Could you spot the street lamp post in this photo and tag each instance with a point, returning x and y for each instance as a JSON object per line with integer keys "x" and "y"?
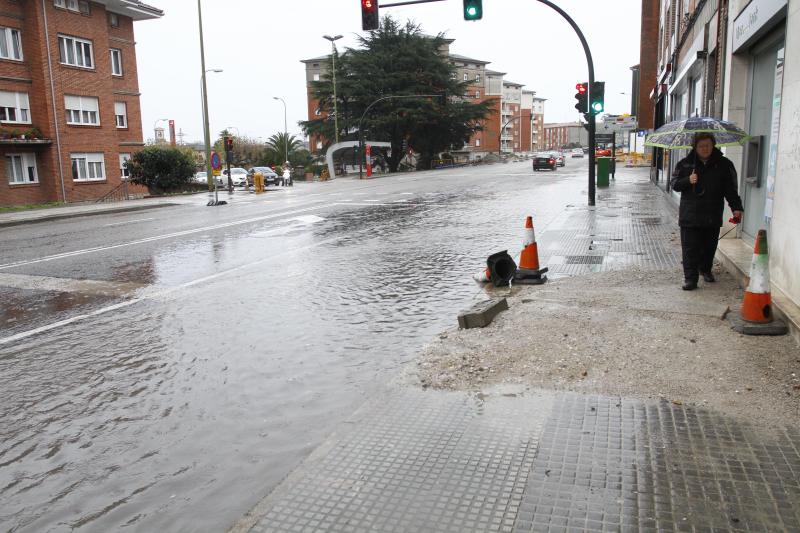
{"x": 285, "y": 129}
{"x": 335, "y": 106}
{"x": 206, "y": 130}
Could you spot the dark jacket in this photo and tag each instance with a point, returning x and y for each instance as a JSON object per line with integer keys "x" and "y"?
{"x": 702, "y": 205}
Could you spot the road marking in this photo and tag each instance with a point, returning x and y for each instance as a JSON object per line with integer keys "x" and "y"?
{"x": 128, "y": 222}
{"x": 309, "y": 219}
{"x": 156, "y": 238}
{"x": 157, "y": 294}
{"x": 366, "y": 203}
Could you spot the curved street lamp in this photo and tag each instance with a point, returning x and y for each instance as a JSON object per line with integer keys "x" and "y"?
{"x": 335, "y": 107}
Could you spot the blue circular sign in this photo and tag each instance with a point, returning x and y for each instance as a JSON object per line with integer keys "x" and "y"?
{"x": 216, "y": 162}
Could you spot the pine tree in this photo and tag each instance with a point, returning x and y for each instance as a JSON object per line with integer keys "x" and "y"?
{"x": 399, "y": 61}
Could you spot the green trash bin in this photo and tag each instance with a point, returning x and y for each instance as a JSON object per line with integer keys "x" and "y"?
{"x": 603, "y": 168}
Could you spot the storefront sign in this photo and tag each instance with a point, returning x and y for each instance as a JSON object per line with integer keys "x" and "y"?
{"x": 772, "y": 163}
{"x": 758, "y": 17}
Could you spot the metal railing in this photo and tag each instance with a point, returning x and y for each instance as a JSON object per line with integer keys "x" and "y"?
{"x": 117, "y": 194}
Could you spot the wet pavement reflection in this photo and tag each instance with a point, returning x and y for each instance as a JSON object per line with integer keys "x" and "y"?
{"x": 179, "y": 412}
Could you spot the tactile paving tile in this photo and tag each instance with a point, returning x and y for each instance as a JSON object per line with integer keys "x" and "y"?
{"x": 607, "y": 464}
{"x": 631, "y": 225}
{"x": 420, "y": 462}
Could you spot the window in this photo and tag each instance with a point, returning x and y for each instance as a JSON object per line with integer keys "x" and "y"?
{"x": 124, "y": 172}
{"x": 116, "y": 62}
{"x": 10, "y": 44}
{"x": 477, "y": 94}
{"x": 477, "y": 78}
{"x": 75, "y": 52}
{"x": 88, "y": 167}
{"x": 67, "y": 4}
{"x": 317, "y": 112}
{"x": 21, "y": 168}
{"x": 113, "y": 20}
{"x": 81, "y": 6}
{"x": 316, "y": 77}
{"x": 477, "y": 142}
{"x": 121, "y": 114}
{"x": 82, "y": 110}
{"x": 14, "y": 107}
{"x": 466, "y": 76}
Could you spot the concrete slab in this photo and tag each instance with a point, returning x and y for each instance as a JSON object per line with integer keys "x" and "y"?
{"x": 481, "y": 314}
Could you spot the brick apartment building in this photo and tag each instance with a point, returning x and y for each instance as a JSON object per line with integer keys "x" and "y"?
{"x": 69, "y": 97}
{"x": 563, "y": 134}
{"x": 509, "y": 101}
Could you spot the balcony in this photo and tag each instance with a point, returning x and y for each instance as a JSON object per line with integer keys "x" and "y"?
{"x": 29, "y": 137}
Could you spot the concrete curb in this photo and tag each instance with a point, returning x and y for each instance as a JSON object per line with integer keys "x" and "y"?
{"x": 61, "y": 216}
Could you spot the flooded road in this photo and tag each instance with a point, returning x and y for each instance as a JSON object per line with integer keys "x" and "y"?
{"x": 165, "y": 374}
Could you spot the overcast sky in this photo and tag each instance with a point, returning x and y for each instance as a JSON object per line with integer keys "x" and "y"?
{"x": 259, "y": 45}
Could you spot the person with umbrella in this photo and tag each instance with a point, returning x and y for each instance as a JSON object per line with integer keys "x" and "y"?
{"x": 704, "y": 178}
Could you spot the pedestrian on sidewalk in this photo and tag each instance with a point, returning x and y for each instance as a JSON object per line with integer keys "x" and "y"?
{"x": 287, "y": 174}
{"x": 705, "y": 178}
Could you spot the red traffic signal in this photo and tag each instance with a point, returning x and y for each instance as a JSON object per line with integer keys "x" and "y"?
{"x": 370, "y": 19}
{"x": 229, "y": 144}
{"x": 582, "y": 97}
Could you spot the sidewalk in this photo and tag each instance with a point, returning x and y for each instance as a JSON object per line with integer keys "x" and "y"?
{"x": 82, "y": 210}
{"x": 605, "y": 400}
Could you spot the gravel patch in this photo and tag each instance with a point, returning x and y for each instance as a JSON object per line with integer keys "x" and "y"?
{"x": 631, "y": 333}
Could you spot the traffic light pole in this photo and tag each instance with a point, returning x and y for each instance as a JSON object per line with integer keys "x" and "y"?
{"x": 591, "y": 115}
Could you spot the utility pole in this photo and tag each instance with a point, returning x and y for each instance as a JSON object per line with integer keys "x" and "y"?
{"x": 207, "y": 133}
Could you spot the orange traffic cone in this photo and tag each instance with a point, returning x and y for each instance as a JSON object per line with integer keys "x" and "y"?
{"x": 529, "y": 271}
{"x": 757, "y": 303}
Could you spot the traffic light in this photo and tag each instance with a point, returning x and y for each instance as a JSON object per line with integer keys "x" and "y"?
{"x": 597, "y": 97}
{"x": 473, "y": 9}
{"x": 229, "y": 144}
{"x": 370, "y": 20}
{"x": 581, "y": 96}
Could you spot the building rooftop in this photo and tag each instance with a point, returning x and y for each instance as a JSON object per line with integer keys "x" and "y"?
{"x": 466, "y": 59}
{"x": 513, "y": 84}
{"x": 316, "y": 59}
{"x": 132, "y": 8}
{"x": 494, "y": 73}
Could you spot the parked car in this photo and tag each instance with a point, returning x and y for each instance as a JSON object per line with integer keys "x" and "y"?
{"x": 270, "y": 177}
{"x": 544, "y": 161}
{"x": 577, "y": 152}
{"x": 602, "y": 152}
{"x": 200, "y": 177}
{"x": 559, "y": 159}
{"x": 238, "y": 177}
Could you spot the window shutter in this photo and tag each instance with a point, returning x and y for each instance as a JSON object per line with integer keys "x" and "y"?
{"x": 8, "y": 99}
{"x": 119, "y": 108}
{"x": 72, "y": 102}
{"x": 90, "y": 103}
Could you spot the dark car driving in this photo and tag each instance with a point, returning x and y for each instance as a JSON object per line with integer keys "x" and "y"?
{"x": 544, "y": 161}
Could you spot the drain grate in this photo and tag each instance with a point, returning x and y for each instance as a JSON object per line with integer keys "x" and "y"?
{"x": 583, "y": 260}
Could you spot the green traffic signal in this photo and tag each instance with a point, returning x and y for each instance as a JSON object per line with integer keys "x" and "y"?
{"x": 473, "y": 9}
{"x": 597, "y": 97}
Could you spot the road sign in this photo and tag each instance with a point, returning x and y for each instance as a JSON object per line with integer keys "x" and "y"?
{"x": 604, "y": 137}
{"x": 216, "y": 162}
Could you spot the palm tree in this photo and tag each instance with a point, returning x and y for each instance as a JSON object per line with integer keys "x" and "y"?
{"x": 283, "y": 145}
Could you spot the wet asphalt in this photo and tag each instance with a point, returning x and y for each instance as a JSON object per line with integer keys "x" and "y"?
{"x": 225, "y": 343}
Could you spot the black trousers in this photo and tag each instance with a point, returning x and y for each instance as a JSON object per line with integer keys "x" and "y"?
{"x": 699, "y": 246}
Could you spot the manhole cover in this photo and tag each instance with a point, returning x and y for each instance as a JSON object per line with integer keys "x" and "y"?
{"x": 584, "y": 259}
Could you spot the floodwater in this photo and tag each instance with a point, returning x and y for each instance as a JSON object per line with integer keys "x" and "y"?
{"x": 179, "y": 412}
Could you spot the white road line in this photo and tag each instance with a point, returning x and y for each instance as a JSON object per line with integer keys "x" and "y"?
{"x": 128, "y": 222}
{"x": 358, "y": 203}
{"x": 156, "y": 294}
{"x": 157, "y": 238}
